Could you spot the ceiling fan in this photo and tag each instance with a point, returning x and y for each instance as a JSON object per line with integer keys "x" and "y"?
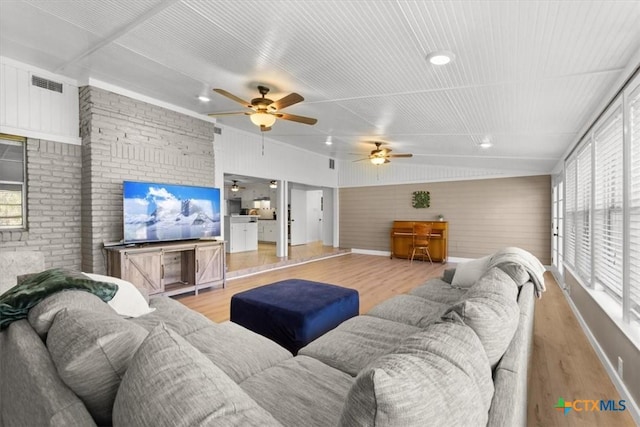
{"x": 235, "y": 187}
{"x": 266, "y": 111}
{"x": 381, "y": 156}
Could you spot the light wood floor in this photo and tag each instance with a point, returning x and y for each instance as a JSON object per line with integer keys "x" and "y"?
{"x": 563, "y": 363}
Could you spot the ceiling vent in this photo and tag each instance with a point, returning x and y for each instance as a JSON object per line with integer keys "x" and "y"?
{"x": 46, "y": 84}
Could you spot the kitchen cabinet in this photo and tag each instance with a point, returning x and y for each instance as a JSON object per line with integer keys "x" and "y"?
{"x": 267, "y": 231}
{"x": 242, "y": 233}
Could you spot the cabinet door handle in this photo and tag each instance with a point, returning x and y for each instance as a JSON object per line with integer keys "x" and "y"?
{"x": 162, "y": 271}
{"x": 197, "y": 265}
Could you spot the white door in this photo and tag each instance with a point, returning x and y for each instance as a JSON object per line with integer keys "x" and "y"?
{"x": 298, "y": 217}
{"x": 314, "y": 215}
{"x": 557, "y": 216}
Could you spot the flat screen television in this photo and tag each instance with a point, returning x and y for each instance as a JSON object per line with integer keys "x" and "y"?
{"x": 163, "y": 212}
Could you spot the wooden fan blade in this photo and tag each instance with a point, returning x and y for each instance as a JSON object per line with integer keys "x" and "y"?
{"x": 400, "y": 155}
{"x": 227, "y": 113}
{"x": 299, "y": 119}
{"x": 292, "y": 98}
{"x": 233, "y": 97}
{"x": 359, "y": 160}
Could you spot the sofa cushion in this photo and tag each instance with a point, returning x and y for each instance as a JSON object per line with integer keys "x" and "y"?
{"x": 128, "y": 300}
{"x": 31, "y": 391}
{"x": 174, "y": 314}
{"x": 239, "y": 352}
{"x": 516, "y": 271}
{"x": 41, "y": 316}
{"x": 91, "y": 351}
{"x": 301, "y": 391}
{"x": 490, "y": 308}
{"x": 467, "y": 273}
{"x": 170, "y": 383}
{"x": 17, "y": 301}
{"x": 439, "y": 291}
{"x": 439, "y": 376}
{"x": 357, "y": 342}
{"x": 410, "y": 310}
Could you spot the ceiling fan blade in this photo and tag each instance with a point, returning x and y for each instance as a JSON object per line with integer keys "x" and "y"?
{"x": 227, "y": 113}
{"x": 359, "y": 160}
{"x": 292, "y": 98}
{"x": 233, "y": 97}
{"x": 400, "y": 155}
{"x": 299, "y": 119}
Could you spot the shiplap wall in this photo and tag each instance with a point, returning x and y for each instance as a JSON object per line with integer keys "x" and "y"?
{"x": 31, "y": 111}
{"x": 484, "y": 215}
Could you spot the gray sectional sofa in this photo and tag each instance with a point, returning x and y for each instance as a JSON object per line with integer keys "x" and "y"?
{"x": 436, "y": 356}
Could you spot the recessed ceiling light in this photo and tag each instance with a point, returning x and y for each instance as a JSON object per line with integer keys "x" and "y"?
{"x": 440, "y": 57}
{"x": 203, "y": 98}
{"x": 329, "y": 141}
{"x": 485, "y": 143}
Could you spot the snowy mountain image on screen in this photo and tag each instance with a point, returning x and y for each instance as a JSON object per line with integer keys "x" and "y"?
{"x": 165, "y": 215}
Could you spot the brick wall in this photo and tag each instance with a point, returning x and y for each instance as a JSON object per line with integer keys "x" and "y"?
{"x": 54, "y": 203}
{"x": 125, "y": 139}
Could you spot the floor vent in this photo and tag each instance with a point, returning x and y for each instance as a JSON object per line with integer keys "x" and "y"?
{"x": 46, "y": 84}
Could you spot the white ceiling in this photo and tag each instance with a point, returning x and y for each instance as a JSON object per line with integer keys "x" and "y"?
{"x": 527, "y": 74}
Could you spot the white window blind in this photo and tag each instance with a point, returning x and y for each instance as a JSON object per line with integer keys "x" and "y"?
{"x": 570, "y": 212}
{"x": 634, "y": 201}
{"x": 583, "y": 213}
{"x": 608, "y": 199}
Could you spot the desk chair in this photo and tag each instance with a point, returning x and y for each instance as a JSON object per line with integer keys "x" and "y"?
{"x": 421, "y": 236}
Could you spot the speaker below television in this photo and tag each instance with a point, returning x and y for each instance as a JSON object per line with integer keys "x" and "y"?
{"x": 156, "y": 212}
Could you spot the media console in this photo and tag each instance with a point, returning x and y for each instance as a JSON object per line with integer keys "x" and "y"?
{"x": 169, "y": 268}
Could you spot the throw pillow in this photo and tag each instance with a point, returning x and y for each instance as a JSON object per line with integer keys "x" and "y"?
{"x": 128, "y": 300}
{"x": 468, "y": 273}
{"x": 447, "y": 275}
{"x": 91, "y": 352}
{"x": 491, "y": 309}
{"x": 439, "y": 377}
{"x": 41, "y": 316}
{"x": 516, "y": 271}
{"x": 17, "y": 301}
{"x": 170, "y": 383}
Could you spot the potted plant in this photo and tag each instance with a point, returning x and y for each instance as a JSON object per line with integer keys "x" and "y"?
{"x": 440, "y": 217}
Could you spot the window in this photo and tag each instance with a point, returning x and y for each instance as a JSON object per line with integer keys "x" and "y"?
{"x": 12, "y": 183}
{"x": 602, "y": 205}
{"x": 634, "y": 202}
{"x": 608, "y": 195}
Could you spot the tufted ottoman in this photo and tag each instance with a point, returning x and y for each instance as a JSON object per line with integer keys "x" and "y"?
{"x": 294, "y": 312}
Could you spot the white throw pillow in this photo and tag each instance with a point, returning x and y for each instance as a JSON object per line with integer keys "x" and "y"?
{"x": 128, "y": 301}
{"x": 468, "y": 273}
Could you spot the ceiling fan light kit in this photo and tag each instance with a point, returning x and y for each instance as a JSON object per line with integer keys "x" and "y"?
{"x": 263, "y": 119}
{"x": 378, "y": 160}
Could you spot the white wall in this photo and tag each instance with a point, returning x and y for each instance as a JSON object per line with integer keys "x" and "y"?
{"x": 241, "y": 154}
{"x": 34, "y": 112}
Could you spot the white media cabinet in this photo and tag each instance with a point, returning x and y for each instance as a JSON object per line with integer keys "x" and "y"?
{"x": 169, "y": 268}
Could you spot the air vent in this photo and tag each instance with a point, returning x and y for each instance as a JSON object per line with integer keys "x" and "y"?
{"x": 332, "y": 164}
{"x": 217, "y": 130}
{"x": 46, "y": 84}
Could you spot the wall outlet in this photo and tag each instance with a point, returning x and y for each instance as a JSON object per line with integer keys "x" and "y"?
{"x": 620, "y": 367}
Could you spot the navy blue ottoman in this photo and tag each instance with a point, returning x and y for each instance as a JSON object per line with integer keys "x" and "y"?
{"x": 294, "y": 312}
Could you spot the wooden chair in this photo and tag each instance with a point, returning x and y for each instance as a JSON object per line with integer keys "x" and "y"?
{"x": 421, "y": 237}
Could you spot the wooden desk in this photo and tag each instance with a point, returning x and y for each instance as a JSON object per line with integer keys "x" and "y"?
{"x": 401, "y": 237}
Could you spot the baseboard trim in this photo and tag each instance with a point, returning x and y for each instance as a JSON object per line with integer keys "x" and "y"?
{"x": 370, "y": 252}
{"x": 280, "y": 267}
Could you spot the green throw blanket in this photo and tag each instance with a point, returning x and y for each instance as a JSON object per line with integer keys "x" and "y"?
{"x": 17, "y": 301}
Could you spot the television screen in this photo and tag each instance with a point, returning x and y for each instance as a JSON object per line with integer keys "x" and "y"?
{"x": 161, "y": 212}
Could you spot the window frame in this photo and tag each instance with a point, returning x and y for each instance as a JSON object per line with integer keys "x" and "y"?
{"x": 21, "y": 142}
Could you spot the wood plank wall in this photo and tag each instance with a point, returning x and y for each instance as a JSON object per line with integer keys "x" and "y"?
{"x": 484, "y": 215}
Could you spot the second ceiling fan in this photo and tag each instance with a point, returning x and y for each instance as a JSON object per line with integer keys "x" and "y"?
{"x": 266, "y": 111}
{"x": 381, "y": 156}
